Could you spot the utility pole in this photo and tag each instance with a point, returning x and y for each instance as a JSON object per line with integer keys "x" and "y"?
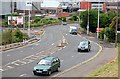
{"x": 29, "y": 4}
{"x": 116, "y": 26}
{"x": 24, "y": 19}
{"x": 29, "y": 24}
{"x": 11, "y": 14}
{"x": 88, "y": 20}
{"x": 98, "y": 18}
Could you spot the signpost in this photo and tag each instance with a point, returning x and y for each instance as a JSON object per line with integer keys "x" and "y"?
{"x": 118, "y": 31}
{"x": 29, "y": 4}
{"x": 15, "y": 20}
{"x": 99, "y": 30}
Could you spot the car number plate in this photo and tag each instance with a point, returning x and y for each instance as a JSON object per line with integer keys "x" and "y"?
{"x": 39, "y": 71}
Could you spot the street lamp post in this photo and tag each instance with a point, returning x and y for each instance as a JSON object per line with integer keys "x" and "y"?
{"x": 116, "y": 26}
{"x": 29, "y": 24}
{"x": 29, "y": 4}
{"x": 98, "y": 18}
{"x": 78, "y": 19}
{"x": 88, "y": 20}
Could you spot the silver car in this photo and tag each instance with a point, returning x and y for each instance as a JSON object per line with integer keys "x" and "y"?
{"x": 84, "y": 45}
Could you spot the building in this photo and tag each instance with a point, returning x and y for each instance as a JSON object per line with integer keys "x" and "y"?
{"x": 5, "y": 8}
{"x": 113, "y": 6}
{"x": 85, "y": 5}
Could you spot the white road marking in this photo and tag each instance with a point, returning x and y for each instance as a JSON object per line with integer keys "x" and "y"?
{"x": 72, "y": 56}
{"x": 64, "y": 47}
{"x": 51, "y": 53}
{"x": 37, "y": 44}
{"x": 1, "y": 70}
{"x": 42, "y": 51}
{"x": 21, "y": 51}
{"x": 10, "y": 66}
{"x": 52, "y": 43}
{"x": 66, "y": 34}
{"x": 60, "y": 49}
{"x": 32, "y": 48}
{"x": 22, "y": 75}
{"x": 8, "y": 55}
{"x": 15, "y": 63}
{"x": 61, "y": 60}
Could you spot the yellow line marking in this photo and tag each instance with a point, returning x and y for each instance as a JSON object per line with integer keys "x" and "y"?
{"x": 24, "y": 46}
{"x": 57, "y": 75}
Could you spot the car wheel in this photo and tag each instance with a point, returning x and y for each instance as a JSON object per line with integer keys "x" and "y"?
{"x": 88, "y": 50}
{"x": 49, "y": 72}
{"x": 79, "y": 50}
{"x": 35, "y": 73}
{"x": 57, "y": 69}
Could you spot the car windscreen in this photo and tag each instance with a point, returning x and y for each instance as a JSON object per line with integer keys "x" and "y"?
{"x": 74, "y": 30}
{"x": 83, "y": 43}
{"x": 44, "y": 62}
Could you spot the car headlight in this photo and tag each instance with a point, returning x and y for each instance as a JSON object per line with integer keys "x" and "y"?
{"x": 34, "y": 68}
{"x": 86, "y": 47}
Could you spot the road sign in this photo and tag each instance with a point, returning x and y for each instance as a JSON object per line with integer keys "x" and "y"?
{"x": 28, "y": 3}
{"x": 118, "y": 31}
{"x": 99, "y": 29}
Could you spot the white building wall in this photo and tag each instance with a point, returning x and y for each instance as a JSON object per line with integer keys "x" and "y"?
{"x": 22, "y": 6}
{"x": 5, "y": 8}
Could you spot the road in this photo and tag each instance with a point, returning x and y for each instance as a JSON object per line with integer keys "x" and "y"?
{"x": 20, "y": 62}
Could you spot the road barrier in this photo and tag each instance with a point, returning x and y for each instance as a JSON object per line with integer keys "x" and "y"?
{"x": 16, "y": 45}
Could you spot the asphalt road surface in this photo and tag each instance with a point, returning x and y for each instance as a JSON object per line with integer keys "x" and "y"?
{"x": 20, "y": 62}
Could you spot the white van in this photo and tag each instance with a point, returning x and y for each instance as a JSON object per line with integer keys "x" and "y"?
{"x": 72, "y": 27}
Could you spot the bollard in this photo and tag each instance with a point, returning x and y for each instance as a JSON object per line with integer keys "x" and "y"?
{"x": 60, "y": 44}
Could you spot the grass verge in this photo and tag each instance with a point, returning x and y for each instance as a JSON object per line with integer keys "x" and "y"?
{"x": 108, "y": 70}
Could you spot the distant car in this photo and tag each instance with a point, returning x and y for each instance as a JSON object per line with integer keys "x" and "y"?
{"x": 47, "y": 65}
{"x": 74, "y": 31}
{"x": 84, "y": 45}
{"x": 72, "y": 27}
{"x": 64, "y": 23}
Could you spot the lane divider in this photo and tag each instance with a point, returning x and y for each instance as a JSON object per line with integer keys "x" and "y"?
{"x": 84, "y": 62}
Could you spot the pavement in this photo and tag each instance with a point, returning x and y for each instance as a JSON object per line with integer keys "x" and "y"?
{"x": 108, "y": 54}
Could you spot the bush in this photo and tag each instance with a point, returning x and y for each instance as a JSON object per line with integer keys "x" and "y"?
{"x": 13, "y": 36}
{"x": 37, "y": 19}
{"x": 4, "y": 23}
{"x": 110, "y": 34}
{"x": 62, "y": 19}
{"x": 101, "y": 34}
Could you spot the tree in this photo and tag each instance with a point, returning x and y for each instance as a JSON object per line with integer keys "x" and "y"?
{"x": 92, "y": 20}
{"x": 105, "y": 20}
{"x": 18, "y": 35}
{"x": 113, "y": 23}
